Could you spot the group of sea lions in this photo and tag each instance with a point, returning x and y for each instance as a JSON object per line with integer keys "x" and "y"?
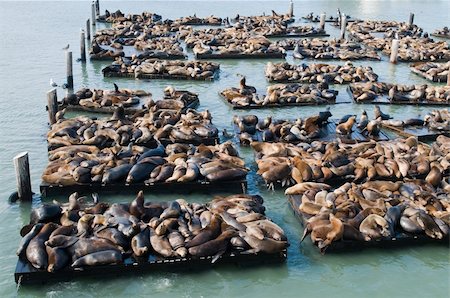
{"x": 167, "y": 69}
{"x": 319, "y": 73}
{"x": 370, "y": 91}
{"x": 80, "y": 235}
{"x": 120, "y": 17}
{"x": 156, "y": 123}
{"x": 194, "y": 20}
{"x": 328, "y": 49}
{"x": 227, "y": 41}
{"x": 413, "y": 45}
{"x": 374, "y": 210}
{"x": 158, "y": 47}
{"x": 174, "y": 163}
{"x": 444, "y": 32}
{"x": 436, "y": 71}
{"x": 280, "y": 94}
{"x": 250, "y": 128}
{"x": 97, "y": 98}
{"x": 321, "y": 161}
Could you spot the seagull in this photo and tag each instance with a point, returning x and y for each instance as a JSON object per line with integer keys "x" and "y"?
{"x": 66, "y": 47}
{"x": 53, "y": 84}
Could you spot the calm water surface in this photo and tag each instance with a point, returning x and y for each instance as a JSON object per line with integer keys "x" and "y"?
{"x": 32, "y": 35}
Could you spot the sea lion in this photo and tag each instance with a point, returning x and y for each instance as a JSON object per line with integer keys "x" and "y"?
{"x": 346, "y": 127}
{"x": 140, "y": 243}
{"x": 57, "y": 258}
{"x": 211, "y": 231}
{"x": 104, "y": 257}
{"x": 176, "y": 240}
{"x": 45, "y": 213}
{"x": 28, "y": 237}
{"x": 215, "y": 247}
{"x": 161, "y": 244}
{"x": 35, "y": 251}
{"x": 266, "y": 245}
{"x": 379, "y": 114}
{"x": 324, "y": 235}
{"x": 374, "y": 227}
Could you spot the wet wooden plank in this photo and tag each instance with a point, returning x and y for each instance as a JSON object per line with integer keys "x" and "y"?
{"x": 26, "y": 274}
{"x": 241, "y": 56}
{"x": 423, "y": 133}
{"x": 235, "y": 186}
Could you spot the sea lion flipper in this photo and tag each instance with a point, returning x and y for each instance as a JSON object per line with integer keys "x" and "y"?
{"x": 217, "y": 256}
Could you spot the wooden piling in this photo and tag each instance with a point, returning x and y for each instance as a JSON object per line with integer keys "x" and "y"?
{"x": 291, "y": 9}
{"x": 343, "y": 25}
{"x": 322, "y": 21}
{"x": 411, "y": 19}
{"x": 97, "y": 8}
{"x": 69, "y": 72}
{"x": 93, "y": 13}
{"x": 22, "y": 168}
{"x": 82, "y": 47}
{"x": 88, "y": 29}
{"x": 394, "y": 50}
{"x": 52, "y": 105}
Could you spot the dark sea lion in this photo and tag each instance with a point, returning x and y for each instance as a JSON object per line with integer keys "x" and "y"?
{"x": 45, "y": 213}
{"x": 63, "y": 230}
{"x": 227, "y": 174}
{"x": 351, "y": 233}
{"x": 140, "y": 243}
{"x": 137, "y": 205}
{"x": 158, "y": 151}
{"x": 116, "y": 174}
{"x": 215, "y": 247}
{"x": 99, "y": 208}
{"x": 160, "y": 244}
{"x": 57, "y": 258}
{"x": 266, "y": 245}
{"x": 211, "y": 231}
{"x": 114, "y": 236}
{"x": 35, "y": 251}
{"x": 104, "y": 257}
{"x": 141, "y": 171}
{"x": 27, "y": 238}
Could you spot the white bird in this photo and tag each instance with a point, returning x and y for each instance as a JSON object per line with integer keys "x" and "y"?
{"x": 66, "y": 47}
{"x": 52, "y": 83}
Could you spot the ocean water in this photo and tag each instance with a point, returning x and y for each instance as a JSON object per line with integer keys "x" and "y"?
{"x": 32, "y": 35}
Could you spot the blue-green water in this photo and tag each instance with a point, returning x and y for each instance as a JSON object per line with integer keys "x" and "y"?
{"x": 32, "y": 35}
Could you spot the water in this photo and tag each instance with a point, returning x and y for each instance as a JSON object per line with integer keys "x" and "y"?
{"x": 32, "y": 35}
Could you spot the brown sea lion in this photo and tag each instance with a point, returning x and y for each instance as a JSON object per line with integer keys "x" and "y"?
{"x": 346, "y": 127}
{"x": 35, "y": 251}
{"x": 104, "y": 257}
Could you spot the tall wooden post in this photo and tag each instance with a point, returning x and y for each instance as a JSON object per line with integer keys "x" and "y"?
{"x": 291, "y": 9}
{"x": 93, "y": 13}
{"x": 394, "y": 50}
{"x": 97, "y": 7}
{"x": 411, "y": 19}
{"x": 52, "y": 105}
{"x": 22, "y": 168}
{"x": 343, "y": 25}
{"x": 322, "y": 21}
{"x": 82, "y": 46}
{"x": 69, "y": 72}
{"x": 88, "y": 29}
{"x": 448, "y": 77}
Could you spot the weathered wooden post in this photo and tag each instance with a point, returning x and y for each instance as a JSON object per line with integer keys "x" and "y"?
{"x": 97, "y": 7}
{"x": 52, "y": 105}
{"x": 93, "y": 13}
{"x": 394, "y": 50}
{"x": 82, "y": 46}
{"x": 22, "y": 168}
{"x": 343, "y": 25}
{"x": 291, "y": 9}
{"x": 411, "y": 19}
{"x": 88, "y": 29}
{"x": 69, "y": 72}
{"x": 322, "y": 21}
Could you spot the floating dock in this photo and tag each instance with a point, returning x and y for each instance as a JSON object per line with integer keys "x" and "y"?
{"x": 382, "y": 99}
{"x": 400, "y": 240}
{"x": 241, "y": 56}
{"x": 422, "y": 133}
{"x": 238, "y": 186}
